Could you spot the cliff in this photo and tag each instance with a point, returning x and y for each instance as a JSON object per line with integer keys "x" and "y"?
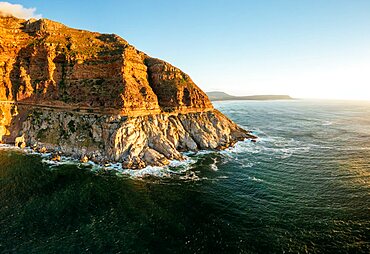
{"x": 90, "y": 94}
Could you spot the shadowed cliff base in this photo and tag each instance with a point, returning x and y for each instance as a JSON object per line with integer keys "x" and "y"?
{"x": 93, "y": 95}
{"x": 136, "y": 141}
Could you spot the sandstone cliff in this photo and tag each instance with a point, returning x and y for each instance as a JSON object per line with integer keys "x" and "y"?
{"x": 86, "y": 93}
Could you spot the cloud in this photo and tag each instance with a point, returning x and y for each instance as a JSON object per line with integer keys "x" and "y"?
{"x": 18, "y": 11}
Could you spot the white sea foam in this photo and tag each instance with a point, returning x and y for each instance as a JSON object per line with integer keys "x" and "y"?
{"x": 46, "y": 159}
{"x": 175, "y": 168}
{"x": 277, "y": 147}
{"x": 214, "y": 165}
{"x": 352, "y": 148}
{"x": 327, "y": 123}
{"x": 190, "y": 176}
{"x": 201, "y": 152}
{"x": 282, "y": 148}
{"x": 247, "y": 165}
{"x": 147, "y": 171}
{"x": 241, "y": 147}
{"x": 253, "y": 178}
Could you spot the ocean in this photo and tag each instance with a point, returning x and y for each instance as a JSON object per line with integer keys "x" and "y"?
{"x": 304, "y": 187}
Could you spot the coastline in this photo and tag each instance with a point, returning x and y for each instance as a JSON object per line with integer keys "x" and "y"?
{"x": 134, "y": 141}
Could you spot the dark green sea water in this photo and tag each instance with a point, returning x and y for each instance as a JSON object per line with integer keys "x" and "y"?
{"x": 303, "y": 188}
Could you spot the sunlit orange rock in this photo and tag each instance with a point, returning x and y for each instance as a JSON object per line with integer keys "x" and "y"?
{"x": 95, "y": 95}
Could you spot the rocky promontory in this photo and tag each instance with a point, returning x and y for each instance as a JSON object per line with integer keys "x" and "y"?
{"x": 93, "y": 95}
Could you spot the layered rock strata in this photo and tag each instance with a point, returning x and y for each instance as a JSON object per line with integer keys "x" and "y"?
{"x": 89, "y": 94}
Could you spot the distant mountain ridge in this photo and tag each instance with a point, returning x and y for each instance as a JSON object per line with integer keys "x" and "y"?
{"x": 221, "y": 96}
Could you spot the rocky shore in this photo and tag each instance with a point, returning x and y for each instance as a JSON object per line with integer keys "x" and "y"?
{"x": 94, "y": 96}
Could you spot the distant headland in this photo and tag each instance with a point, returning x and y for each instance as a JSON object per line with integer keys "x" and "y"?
{"x": 221, "y": 96}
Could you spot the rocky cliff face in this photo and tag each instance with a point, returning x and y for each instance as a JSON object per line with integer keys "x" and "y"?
{"x": 92, "y": 94}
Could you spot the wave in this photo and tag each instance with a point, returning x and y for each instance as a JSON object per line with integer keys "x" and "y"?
{"x": 214, "y": 165}
{"x": 273, "y": 147}
{"x": 253, "y": 178}
{"x": 175, "y": 168}
{"x": 352, "y": 148}
{"x": 179, "y": 169}
{"x": 327, "y": 123}
{"x": 276, "y": 146}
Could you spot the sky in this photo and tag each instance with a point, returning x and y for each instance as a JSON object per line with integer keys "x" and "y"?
{"x": 305, "y": 48}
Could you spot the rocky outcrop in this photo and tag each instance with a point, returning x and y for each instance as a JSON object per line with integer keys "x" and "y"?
{"x": 47, "y": 63}
{"x": 95, "y": 95}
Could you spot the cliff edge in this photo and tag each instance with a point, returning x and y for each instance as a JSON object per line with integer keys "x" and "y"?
{"x": 89, "y": 94}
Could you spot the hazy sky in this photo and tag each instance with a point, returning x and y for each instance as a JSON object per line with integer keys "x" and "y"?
{"x": 305, "y": 48}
